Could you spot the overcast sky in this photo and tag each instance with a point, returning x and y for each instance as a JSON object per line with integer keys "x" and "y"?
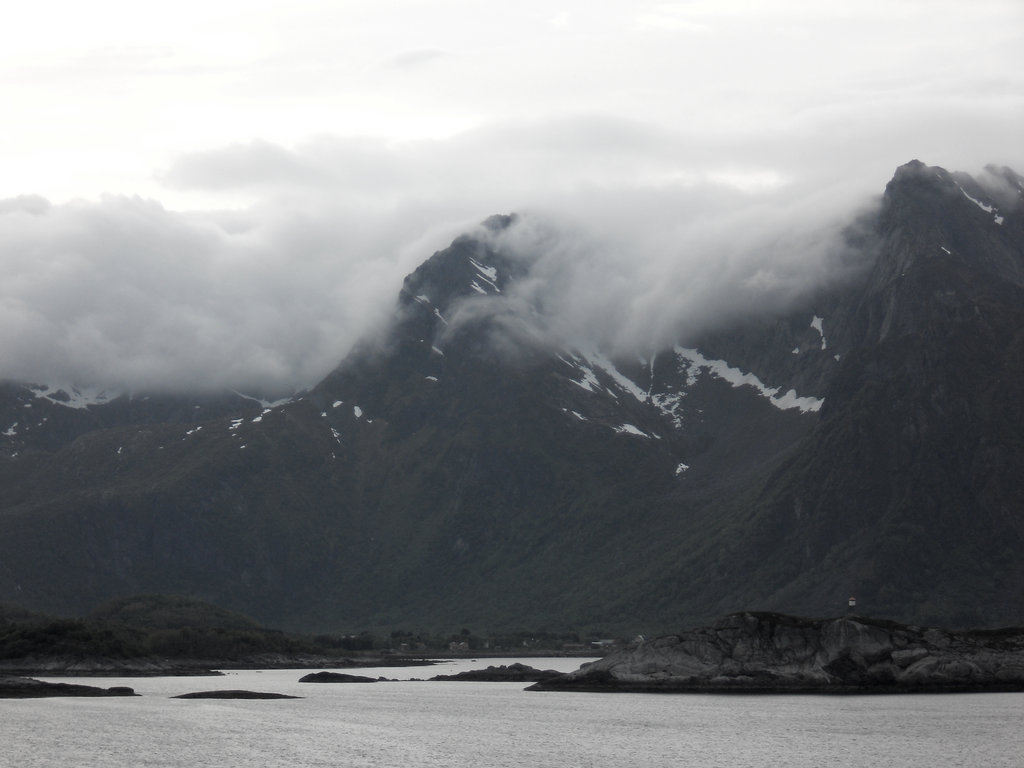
{"x": 229, "y": 193}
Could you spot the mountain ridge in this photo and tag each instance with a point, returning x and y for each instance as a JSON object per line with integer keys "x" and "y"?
{"x": 467, "y": 467}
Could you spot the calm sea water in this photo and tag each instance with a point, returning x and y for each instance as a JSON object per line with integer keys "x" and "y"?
{"x": 482, "y": 725}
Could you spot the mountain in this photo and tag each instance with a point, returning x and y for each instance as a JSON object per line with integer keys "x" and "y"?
{"x": 467, "y": 467}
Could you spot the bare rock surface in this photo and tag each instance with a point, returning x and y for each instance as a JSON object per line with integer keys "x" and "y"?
{"x": 234, "y": 694}
{"x": 775, "y": 653}
{"x": 30, "y": 688}
{"x": 512, "y": 673}
{"x": 335, "y": 677}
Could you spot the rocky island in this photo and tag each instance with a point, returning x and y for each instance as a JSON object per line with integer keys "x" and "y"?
{"x": 775, "y": 653}
{"x": 14, "y": 687}
{"x": 512, "y": 673}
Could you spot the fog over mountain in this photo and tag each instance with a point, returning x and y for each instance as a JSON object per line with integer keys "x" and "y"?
{"x": 125, "y": 294}
{"x": 231, "y": 202}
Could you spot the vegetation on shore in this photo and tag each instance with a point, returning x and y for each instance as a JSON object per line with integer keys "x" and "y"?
{"x": 180, "y": 628}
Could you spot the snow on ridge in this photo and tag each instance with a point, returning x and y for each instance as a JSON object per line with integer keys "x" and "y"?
{"x": 476, "y": 287}
{"x": 624, "y": 383}
{"x": 10, "y": 431}
{"x": 73, "y": 397}
{"x": 984, "y": 206}
{"x": 357, "y": 411}
{"x": 489, "y": 274}
{"x": 737, "y": 378}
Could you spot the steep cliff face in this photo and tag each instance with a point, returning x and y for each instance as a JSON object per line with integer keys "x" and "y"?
{"x": 911, "y": 484}
{"x": 762, "y": 652}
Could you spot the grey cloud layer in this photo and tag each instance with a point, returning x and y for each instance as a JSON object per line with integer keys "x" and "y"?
{"x": 123, "y": 293}
{"x": 647, "y": 233}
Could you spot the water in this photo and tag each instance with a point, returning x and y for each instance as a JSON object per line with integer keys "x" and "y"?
{"x": 457, "y": 724}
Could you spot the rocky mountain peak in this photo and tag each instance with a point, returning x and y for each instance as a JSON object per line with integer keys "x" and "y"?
{"x": 929, "y": 214}
{"x": 867, "y": 444}
{"x": 470, "y": 266}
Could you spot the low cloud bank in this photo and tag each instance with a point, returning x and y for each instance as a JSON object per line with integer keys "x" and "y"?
{"x": 643, "y": 235}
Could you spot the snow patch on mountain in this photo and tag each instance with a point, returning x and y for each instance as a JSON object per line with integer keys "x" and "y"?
{"x": 589, "y": 382}
{"x": 816, "y": 324}
{"x": 669, "y": 404}
{"x": 487, "y": 274}
{"x": 737, "y": 378}
{"x": 984, "y": 206}
{"x": 73, "y": 397}
{"x": 629, "y": 429}
{"x": 265, "y": 403}
{"x": 624, "y": 383}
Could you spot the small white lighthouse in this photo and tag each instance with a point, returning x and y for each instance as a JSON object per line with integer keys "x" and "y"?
{"x": 851, "y": 604}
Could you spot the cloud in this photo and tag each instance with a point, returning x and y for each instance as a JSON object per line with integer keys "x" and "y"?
{"x": 675, "y": 163}
{"x": 644, "y": 233}
{"x": 123, "y": 293}
{"x": 414, "y": 59}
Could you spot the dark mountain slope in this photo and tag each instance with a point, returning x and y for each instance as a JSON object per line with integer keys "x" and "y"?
{"x": 911, "y": 490}
{"x": 467, "y": 468}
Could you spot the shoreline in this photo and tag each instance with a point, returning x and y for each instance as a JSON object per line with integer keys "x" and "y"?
{"x": 99, "y": 666}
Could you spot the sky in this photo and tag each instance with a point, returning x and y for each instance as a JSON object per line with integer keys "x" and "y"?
{"x": 229, "y": 193}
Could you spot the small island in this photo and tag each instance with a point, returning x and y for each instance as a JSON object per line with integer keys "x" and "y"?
{"x": 511, "y": 673}
{"x": 774, "y": 653}
{"x": 13, "y": 687}
{"x": 234, "y": 694}
{"x": 336, "y": 677}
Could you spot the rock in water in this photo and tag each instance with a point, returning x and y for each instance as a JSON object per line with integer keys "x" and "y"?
{"x": 29, "y": 688}
{"x": 775, "y": 653}
{"x": 234, "y": 694}
{"x": 335, "y": 677}
{"x": 513, "y": 673}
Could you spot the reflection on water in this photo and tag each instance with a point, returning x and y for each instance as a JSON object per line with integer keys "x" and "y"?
{"x": 413, "y": 723}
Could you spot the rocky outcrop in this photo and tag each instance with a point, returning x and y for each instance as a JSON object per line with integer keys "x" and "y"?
{"x": 775, "y": 653}
{"x": 234, "y": 694}
{"x": 512, "y": 673}
{"x": 29, "y": 688}
{"x": 335, "y": 677}
{"x": 102, "y": 666}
